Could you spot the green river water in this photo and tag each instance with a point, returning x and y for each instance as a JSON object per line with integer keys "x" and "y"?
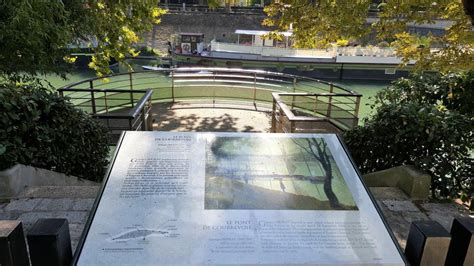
{"x": 365, "y": 87}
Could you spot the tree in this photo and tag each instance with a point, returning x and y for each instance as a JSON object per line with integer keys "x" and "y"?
{"x": 319, "y": 151}
{"x": 36, "y": 34}
{"x": 321, "y": 23}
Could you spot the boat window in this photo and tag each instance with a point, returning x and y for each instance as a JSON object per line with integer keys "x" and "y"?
{"x": 245, "y": 39}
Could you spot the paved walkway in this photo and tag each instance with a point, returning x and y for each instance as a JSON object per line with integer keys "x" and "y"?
{"x": 72, "y": 203}
{"x": 75, "y": 203}
{"x": 210, "y": 117}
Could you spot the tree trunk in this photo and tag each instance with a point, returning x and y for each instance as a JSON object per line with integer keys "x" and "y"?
{"x": 333, "y": 201}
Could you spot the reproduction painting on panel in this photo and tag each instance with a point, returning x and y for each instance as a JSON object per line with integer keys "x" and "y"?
{"x": 273, "y": 174}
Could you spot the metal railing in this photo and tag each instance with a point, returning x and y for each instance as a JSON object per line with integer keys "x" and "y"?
{"x": 190, "y": 8}
{"x": 118, "y": 110}
{"x": 314, "y": 112}
{"x": 246, "y": 89}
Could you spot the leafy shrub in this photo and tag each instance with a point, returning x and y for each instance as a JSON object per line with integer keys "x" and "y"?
{"x": 39, "y": 128}
{"x": 454, "y": 91}
{"x": 416, "y": 133}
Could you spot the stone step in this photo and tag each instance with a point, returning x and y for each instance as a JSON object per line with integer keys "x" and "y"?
{"x": 71, "y": 192}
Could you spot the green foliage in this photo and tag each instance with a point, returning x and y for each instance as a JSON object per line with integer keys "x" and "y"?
{"x": 36, "y": 34}
{"x": 421, "y": 135}
{"x": 317, "y": 24}
{"x": 453, "y": 91}
{"x": 39, "y": 128}
{"x": 116, "y": 26}
{"x": 32, "y": 34}
{"x": 320, "y": 23}
{"x": 425, "y": 120}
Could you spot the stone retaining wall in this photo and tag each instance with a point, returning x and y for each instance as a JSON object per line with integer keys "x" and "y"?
{"x": 212, "y": 25}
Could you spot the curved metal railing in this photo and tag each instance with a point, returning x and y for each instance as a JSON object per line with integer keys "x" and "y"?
{"x": 246, "y": 88}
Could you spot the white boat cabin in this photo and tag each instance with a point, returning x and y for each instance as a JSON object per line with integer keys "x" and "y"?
{"x": 257, "y": 38}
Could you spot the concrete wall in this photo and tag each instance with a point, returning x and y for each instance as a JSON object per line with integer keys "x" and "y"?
{"x": 18, "y": 178}
{"x": 411, "y": 180}
{"x": 212, "y": 25}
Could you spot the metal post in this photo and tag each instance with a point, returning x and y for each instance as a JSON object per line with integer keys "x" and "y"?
{"x": 273, "y": 130}
{"x": 294, "y": 90}
{"x": 329, "y": 106}
{"x": 254, "y": 88}
{"x": 214, "y": 89}
{"x": 91, "y": 87}
{"x": 144, "y": 124}
{"x": 315, "y": 104}
{"x": 131, "y": 88}
{"x": 331, "y": 89}
{"x": 105, "y": 102}
{"x": 356, "y": 111}
{"x": 172, "y": 85}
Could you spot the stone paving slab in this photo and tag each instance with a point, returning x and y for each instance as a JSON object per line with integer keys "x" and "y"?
{"x": 75, "y": 205}
{"x": 83, "y": 204}
{"x": 29, "y": 218}
{"x": 444, "y": 213}
{"x": 400, "y": 206}
{"x": 75, "y": 231}
{"x": 23, "y": 205}
{"x": 388, "y": 193}
{"x": 64, "y": 192}
{"x": 72, "y": 203}
{"x": 55, "y": 205}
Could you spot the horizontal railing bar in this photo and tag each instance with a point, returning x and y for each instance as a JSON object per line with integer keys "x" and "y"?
{"x": 228, "y": 70}
{"x": 102, "y": 90}
{"x": 141, "y": 103}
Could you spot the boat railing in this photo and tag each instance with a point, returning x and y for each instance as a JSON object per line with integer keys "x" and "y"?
{"x": 298, "y": 52}
{"x": 247, "y": 89}
{"x": 193, "y": 8}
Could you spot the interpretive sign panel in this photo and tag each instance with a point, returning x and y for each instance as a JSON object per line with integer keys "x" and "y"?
{"x": 234, "y": 198}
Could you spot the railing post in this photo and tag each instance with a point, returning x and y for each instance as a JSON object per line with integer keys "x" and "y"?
{"x": 293, "y": 97}
{"x": 282, "y": 114}
{"x": 105, "y": 102}
{"x": 254, "y": 88}
{"x": 214, "y": 88}
{"x": 293, "y": 126}
{"x": 172, "y": 85}
{"x": 91, "y": 87}
{"x": 315, "y": 104}
{"x": 356, "y": 111}
{"x": 273, "y": 130}
{"x": 131, "y": 88}
{"x": 144, "y": 123}
{"x": 331, "y": 89}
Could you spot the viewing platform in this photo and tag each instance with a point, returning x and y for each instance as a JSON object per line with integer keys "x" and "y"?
{"x": 247, "y": 100}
